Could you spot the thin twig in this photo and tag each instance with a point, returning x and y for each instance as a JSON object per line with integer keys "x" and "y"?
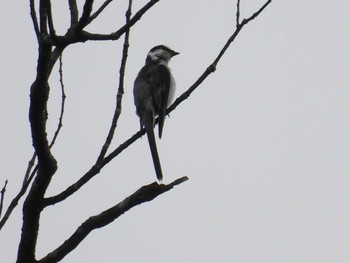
{"x": 120, "y": 92}
{"x": 96, "y": 169}
{"x": 50, "y": 20}
{"x": 99, "y": 11}
{"x": 15, "y": 200}
{"x": 144, "y": 194}
{"x": 85, "y": 36}
{"x": 29, "y": 169}
{"x": 87, "y": 9}
{"x": 43, "y": 17}
{"x": 74, "y": 13}
{"x": 238, "y": 12}
{"x": 29, "y": 174}
{"x": 2, "y": 197}
{"x": 34, "y": 19}
{"x": 63, "y": 96}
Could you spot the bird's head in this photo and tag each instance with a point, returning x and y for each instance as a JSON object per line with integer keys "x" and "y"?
{"x": 160, "y": 55}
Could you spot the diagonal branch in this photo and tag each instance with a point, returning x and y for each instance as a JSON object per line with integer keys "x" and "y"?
{"x": 96, "y": 168}
{"x": 34, "y": 19}
{"x": 142, "y": 195}
{"x": 60, "y": 120}
{"x": 50, "y": 20}
{"x": 238, "y": 12}
{"x": 87, "y": 9}
{"x": 74, "y": 13}
{"x": 2, "y": 197}
{"x": 120, "y": 93}
{"x": 99, "y": 11}
{"x": 85, "y": 36}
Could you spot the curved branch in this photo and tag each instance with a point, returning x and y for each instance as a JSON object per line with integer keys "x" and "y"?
{"x": 120, "y": 93}
{"x": 144, "y": 194}
{"x": 96, "y": 168}
{"x": 73, "y": 8}
{"x": 34, "y": 19}
{"x": 87, "y": 9}
{"x": 2, "y": 197}
{"x": 99, "y": 11}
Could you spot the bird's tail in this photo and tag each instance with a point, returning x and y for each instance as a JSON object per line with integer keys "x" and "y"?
{"x": 148, "y": 121}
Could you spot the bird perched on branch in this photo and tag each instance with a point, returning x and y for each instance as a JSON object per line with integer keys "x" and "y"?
{"x": 154, "y": 90}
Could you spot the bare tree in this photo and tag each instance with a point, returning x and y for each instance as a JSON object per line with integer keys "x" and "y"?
{"x": 43, "y": 165}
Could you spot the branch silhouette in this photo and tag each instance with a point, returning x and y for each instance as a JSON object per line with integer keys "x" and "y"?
{"x": 97, "y": 167}
{"x": 144, "y": 194}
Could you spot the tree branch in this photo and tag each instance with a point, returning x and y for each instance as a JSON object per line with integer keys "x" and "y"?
{"x": 86, "y": 36}
{"x": 63, "y": 96}
{"x": 87, "y": 9}
{"x": 96, "y": 168}
{"x": 2, "y": 197}
{"x": 43, "y": 17}
{"x": 99, "y": 11}
{"x": 34, "y": 19}
{"x": 74, "y": 13}
{"x": 120, "y": 93}
{"x": 238, "y": 12}
{"x": 143, "y": 195}
{"x": 50, "y": 21}
{"x": 15, "y": 200}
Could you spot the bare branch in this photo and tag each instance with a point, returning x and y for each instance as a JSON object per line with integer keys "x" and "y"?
{"x": 34, "y": 18}
{"x": 120, "y": 93}
{"x": 92, "y": 172}
{"x": 63, "y": 96}
{"x": 29, "y": 174}
{"x": 50, "y": 20}
{"x": 99, "y": 11}
{"x": 253, "y": 16}
{"x": 74, "y": 13}
{"x": 87, "y": 9}
{"x": 142, "y": 195}
{"x": 85, "y": 36}
{"x": 43, "y": 16}
{"x": 238, "y": 12}
{"x": 2, "y": 197}
{"x": 96, "y": 168}
{"x": 15, "y": 200}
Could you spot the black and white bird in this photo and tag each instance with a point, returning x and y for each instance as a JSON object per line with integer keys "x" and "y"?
{"x": 154, "y": 90}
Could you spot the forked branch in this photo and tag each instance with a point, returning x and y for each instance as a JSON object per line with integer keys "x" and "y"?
{"x": 144, "y": 194}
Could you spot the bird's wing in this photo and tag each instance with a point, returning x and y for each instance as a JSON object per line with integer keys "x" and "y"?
{"x": 163, "y": 93}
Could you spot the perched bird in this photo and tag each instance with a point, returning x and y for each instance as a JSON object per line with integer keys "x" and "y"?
{"x": 154, "y": 90}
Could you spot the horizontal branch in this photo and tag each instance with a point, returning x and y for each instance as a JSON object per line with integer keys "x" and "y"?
{"x": 144, "y": 194}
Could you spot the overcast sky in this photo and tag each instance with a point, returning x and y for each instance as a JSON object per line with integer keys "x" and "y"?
{"x": 264, "y": 141}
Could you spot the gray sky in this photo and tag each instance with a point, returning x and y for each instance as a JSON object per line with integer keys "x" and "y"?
{"x": 264, "y": 141}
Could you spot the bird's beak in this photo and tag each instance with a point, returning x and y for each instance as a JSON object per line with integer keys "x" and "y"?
{"x": 174, "y": 53}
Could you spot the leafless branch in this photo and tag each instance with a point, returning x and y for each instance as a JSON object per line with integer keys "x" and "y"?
{"x": 120, "y": 93}
{"x": 50, "y": 20}
{"x": 99, "y": 11}
{"x": 2, "y": 197}
{"x": 85, "y": 36}
{"x": 74, "y": 13}
{"x": 34, "y": 18}
{"x": 142, "y": 195}
{"x": 96, "y": 168}
{"x": 63, "y": 96}
{"x": 15, "y": 200}
{"x": 43, "y": 16}
{"x": 92, "y": 172}
{"x": 238, "y": 12}
{"x": 29, "y": 174}
{"x": 87, "y": 9}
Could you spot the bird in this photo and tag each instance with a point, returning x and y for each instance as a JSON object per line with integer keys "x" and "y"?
{"x": 154, "y": 90}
